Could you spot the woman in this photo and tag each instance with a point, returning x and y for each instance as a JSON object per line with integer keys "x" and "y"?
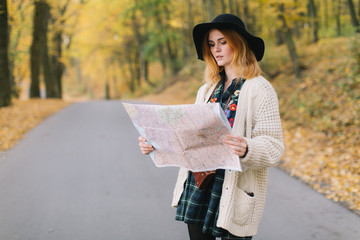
{"x": 230, "y": 206}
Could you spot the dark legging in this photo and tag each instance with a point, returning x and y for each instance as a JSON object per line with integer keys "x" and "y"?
{"x": 195, "y": 233}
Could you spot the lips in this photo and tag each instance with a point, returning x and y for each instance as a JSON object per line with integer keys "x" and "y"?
{"x": 218, "y": 57}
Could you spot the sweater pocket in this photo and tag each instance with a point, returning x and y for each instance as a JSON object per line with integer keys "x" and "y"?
{"x": 243, "y": 207}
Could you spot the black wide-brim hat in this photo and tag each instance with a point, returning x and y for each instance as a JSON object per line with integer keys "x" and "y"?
{"x": 227, "y": 21}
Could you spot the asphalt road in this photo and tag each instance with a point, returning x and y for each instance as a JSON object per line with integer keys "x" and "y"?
{"x": 80, "y": 176}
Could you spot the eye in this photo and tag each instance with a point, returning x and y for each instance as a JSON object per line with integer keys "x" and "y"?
{"x": 211, "y": 44}
{"x": 223, "y": 42}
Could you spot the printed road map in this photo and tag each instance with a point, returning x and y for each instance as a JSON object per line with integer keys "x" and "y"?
{"x": 188, "y": 136}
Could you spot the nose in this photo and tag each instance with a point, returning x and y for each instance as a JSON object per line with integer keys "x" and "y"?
{"x": 217, "y": 48}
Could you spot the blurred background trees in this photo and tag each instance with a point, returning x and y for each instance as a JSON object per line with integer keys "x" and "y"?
{"x": 116, "y": 48}
{"x": 5, "y": 88}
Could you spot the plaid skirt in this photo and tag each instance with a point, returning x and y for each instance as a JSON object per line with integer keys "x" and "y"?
{"x": 202, "y": 206}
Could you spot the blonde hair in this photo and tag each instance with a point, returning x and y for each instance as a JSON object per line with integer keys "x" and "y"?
{"x": 244, "y": 60}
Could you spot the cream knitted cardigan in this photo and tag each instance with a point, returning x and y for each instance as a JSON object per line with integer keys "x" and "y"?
{"x": 258, "y": 120}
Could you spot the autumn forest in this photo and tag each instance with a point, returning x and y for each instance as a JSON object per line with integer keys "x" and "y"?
{"x": 113, "y": 48}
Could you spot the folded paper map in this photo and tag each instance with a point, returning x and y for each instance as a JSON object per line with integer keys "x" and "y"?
{"x": 188, "y": 136}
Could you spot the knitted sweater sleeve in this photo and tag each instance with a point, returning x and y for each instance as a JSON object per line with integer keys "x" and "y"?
{"x": 265, "y": 145}
{"x": 200, "y": 96}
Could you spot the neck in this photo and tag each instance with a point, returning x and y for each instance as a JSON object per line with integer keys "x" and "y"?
{"x": 230, "y": 74}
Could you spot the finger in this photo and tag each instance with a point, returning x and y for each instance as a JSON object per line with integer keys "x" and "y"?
{"x": 237, "y": 150}
{"x": 234, "y": 138}
{"x": 237, "y": 153}
{"x": 146, "y": 146}
{"x": 142, "y": 139}
{"x": 147, "y": 151}
{"x": 236, "y": 143}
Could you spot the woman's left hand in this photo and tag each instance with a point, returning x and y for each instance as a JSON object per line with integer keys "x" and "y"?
{"x": 237, "y": 145}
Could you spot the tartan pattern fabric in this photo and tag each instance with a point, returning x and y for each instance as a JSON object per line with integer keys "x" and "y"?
{"x": 202, "y": 206}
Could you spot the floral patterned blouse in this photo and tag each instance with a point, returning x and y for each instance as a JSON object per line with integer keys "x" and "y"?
{"x": 222, "y": 97}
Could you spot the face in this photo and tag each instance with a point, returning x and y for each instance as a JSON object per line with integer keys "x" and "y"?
{"x": 220, "y": 48}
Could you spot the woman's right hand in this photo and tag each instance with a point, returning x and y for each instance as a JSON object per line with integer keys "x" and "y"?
{"x": 145, "y": 147}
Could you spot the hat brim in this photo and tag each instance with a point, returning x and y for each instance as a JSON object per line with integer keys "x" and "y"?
{"x": 256, "y": 44}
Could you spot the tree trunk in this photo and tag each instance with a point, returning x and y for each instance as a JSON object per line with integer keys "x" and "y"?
{"x": 141, "y": 61}
{"x": 13, "y": 51}
{"x": 297, "y": 24}
{"x": 116, "y": 94}
{"x": 139, "y": 44}
{"x": 137, "y": 68}
{"x": 354, "y": 20}
{"x": 289, "y": 41}
{"x": 57, "y": 65}
{"x": 246, "y": 15}
{"x": 162, "y": 58}
{"x": 188, "y": 31}
{"x": 230, "y": 6}
{"x": 146, "y": 73}
{"x": 51, "y": 85}
{"x": 107, "y": 90}
{"x": 279, "y": 39}
{"x": 161, "y": 50}
{"x": 78, "y": 70}
{"x": 210, "y": 9}
{"x": 223, "y": 6}
{"x": 337, "y": 10}
{"x": 5, "y": 86}
{"x": 326, "y": 14}
{"x": 172, "y": 57}
{"x": 132, "y": 76}
{"x": 131, "y": 61}
{"x": 203, "y": 4}
{"x": 237, "y": 8}
{"x": 172, "y": 52}
{"x": 35, "y": 50}
{"x": 313, "y": 20}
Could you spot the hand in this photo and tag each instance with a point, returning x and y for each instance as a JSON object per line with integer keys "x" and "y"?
{"x": 145, "y": 147}
{"x": 236, "y": 144}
